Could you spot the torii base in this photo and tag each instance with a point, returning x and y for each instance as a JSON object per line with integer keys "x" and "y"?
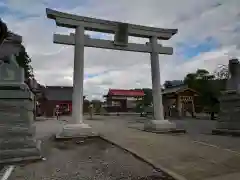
{"x": 71, "y": 131}
{"x": 162, "y": 126}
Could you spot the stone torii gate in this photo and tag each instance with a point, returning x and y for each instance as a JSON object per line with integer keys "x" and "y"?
{"x": 121, "y": 31}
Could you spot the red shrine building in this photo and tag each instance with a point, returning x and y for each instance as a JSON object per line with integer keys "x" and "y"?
{"x": 57, "y": 95}
{"x": 121, "y": 100}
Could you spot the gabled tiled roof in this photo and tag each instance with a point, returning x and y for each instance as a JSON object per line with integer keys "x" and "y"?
{"x": 177, "y": 89}
{"x": 124, "y": 92}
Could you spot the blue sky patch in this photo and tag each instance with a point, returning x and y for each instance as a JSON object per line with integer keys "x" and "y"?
{"x": 89, "y": 76}
{"x": 98, "y": 35}
{"x": 18, "y": 14}
{"x": 190, "y": 50}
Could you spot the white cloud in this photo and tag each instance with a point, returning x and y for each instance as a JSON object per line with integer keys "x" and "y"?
{"x": 195, "y": 20}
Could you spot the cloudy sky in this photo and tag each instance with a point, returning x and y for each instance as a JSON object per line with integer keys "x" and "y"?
{"x": 209, "y": 34}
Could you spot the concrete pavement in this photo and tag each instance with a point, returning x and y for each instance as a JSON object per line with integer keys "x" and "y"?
{"x": 178, "y": 155}
{"x": 200, "y": 131}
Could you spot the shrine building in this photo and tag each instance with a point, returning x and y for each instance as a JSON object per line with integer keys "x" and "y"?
{"x": 121, "y": 100}
{"x": 180, "y": 100}
{"x": 57, "y": 95}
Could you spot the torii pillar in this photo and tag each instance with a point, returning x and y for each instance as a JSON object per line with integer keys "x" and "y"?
{"x": 78, "y": 77}
{"x": 121, "y": 31}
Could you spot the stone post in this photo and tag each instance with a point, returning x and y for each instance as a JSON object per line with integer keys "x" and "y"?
{"x": 17, "y": 142}
{"x": 228, "y": 119}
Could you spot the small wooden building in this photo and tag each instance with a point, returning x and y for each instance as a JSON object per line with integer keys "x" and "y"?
{"x": 180, "y": 100}
{"x": 122, "y": 100}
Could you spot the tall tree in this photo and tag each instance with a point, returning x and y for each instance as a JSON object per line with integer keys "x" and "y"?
{"x": 199, "y": 80}
{"x": 148, "y": 98}
{"x": 3, "y": 31}
{"x": 97, "y": 104}
{"x": 221, "y": 72}
{"x": 167, "y": 84}
{"x": 202, "y": 81}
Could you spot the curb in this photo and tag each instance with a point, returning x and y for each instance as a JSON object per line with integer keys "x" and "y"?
{"x": 226, "y": 132}
{"x": 172, "y": 131}
{"x": 45, "y": 118}
{"x": 7, "y": 172}
{"x": 148, "y": 161}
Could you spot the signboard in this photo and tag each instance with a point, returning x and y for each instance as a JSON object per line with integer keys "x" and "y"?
{"x": 121, "y": 36}
{"x": 119, "y": 97}
{"x": 186, "y": 98}
{"x": 131, "y": 98}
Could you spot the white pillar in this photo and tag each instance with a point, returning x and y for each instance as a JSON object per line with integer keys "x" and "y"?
{"x": 78, "y": 76}
{"x": 156, "y": 85}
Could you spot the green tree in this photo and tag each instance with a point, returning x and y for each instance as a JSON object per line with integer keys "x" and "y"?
{"x": 24, "y": 61}
{"x": 148, "y": 98}
{"x": 139, "y": 105}
{"x": 200, "y": 80}
{"x": 97, "y": 104}
{"x": 203, "y": 82}
{"x": 172, "y": 83}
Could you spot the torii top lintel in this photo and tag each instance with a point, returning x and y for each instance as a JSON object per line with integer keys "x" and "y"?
{"x": 105, "y": 26}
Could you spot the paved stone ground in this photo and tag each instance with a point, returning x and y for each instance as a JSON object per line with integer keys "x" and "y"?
{"x": 200, "y": 132}
{"x": 180, "y": 155}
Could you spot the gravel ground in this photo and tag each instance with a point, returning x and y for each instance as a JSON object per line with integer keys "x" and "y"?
{"x": 86, "y": 160}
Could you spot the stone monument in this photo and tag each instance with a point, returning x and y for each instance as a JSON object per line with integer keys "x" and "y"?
{"x": 17, "y": 143}
{"x": 228, "y": 120}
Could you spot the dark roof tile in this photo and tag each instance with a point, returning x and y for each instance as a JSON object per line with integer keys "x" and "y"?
{"x": 59, "y": 93}
{"x": 174, "y": 89}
